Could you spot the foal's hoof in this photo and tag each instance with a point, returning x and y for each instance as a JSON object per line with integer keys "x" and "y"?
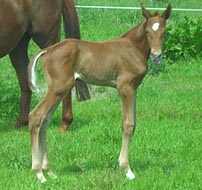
{"x": 43, "y": 180}
{"x": 130, "y": 175}
{"x": 20, "y": 124}
{"x": 41, "y": 177}
{"x": 51, "y": 175}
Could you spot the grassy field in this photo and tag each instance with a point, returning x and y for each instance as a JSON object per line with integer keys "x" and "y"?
{"x": 165, "y": 151}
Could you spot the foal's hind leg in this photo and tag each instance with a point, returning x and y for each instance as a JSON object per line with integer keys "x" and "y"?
{"x": 38, "y": 121}
{"x": 128, "y": 118}
{"x": 43, "y": 145}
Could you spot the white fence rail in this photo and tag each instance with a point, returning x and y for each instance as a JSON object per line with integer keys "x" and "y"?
{"x": 135, "y": 8}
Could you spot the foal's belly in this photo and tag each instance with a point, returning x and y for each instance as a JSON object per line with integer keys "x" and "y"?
{"x": 98, "y": 73}
{"x": 96, "y": 77}
{"x": 97, "y": 65}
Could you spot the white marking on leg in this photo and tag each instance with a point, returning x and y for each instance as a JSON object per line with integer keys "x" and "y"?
{"x": 51, "y": 175}
{"x": 41, "y": 177}
{"x": 155, "y": 26}
{"x": 130, "y": 175}
{"x": 123, "y": 157}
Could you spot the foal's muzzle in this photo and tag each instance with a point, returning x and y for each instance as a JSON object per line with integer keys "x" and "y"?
{"x": 156, "y": 56}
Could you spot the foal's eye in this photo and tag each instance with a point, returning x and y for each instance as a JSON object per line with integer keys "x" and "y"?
{"x": 147, "y": 33}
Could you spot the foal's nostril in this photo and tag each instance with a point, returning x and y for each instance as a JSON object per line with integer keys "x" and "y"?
{"x": 159, "y": 56}
{"x": 156, "y": 56}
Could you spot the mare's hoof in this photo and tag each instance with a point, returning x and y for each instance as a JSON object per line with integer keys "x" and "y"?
{"x": 20, "y": 124}
{"x": 63, "y": 129}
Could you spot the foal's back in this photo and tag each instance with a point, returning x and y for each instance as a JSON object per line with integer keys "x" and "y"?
{"x": 98, "y": 63}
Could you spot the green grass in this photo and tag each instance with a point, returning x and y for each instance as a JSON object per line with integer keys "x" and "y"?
{"x": 165, "y": 151}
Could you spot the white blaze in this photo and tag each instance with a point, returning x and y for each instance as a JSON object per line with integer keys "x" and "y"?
{"x": 155, "y": 26}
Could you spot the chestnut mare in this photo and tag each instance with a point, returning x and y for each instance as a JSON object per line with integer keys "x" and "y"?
{"x": 119, "y": 63}
{"x": 40, "y": 20}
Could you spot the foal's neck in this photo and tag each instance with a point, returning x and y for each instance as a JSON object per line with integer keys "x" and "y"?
{"x": 138, "y": 38}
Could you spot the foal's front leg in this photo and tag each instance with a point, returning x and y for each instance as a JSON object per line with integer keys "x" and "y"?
{"x": 128, "y": 97}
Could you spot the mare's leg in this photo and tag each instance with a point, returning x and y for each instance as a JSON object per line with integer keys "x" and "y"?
{"x": 67, "y": 117}
{"x": 128, "y": 97}
{"x": 20, "y": 60}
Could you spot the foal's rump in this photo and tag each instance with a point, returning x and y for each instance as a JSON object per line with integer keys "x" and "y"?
{"x": 57, "y": 68}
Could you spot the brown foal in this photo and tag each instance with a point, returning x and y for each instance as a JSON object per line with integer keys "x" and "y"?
{"x": 119, "y": 63}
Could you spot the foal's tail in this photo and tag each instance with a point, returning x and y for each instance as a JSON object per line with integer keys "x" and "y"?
{"x": 72, "y": 30}
{"x": 32, "y": 75}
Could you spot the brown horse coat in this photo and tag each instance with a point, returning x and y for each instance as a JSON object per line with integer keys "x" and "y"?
{"x": 21, "y": 20}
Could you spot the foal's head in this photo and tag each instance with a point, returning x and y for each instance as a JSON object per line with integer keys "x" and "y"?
{"x": 155, "y": 29}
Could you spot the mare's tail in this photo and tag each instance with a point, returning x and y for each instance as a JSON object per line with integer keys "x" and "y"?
{"x": 32, "y": 75}
{"x": 71, "y": 21}
{"x": 72, "y": 30}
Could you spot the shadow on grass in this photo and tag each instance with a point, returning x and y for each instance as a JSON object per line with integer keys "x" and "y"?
{"x": 142, "y": 165}
{"x": 8, "y": 127}
{"x": 77, "y": 124}
{"x": 79, "y": 168}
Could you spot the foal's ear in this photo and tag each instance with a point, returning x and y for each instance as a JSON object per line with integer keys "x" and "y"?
{"x": 145, "y": 12}
{"x": 167, "y": 12}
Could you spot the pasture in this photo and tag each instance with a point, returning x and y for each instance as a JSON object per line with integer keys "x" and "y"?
{"x": 165, "y": 151}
